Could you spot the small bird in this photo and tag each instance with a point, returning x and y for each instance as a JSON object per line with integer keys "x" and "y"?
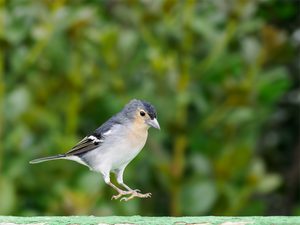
{"x": 112, "y": 146}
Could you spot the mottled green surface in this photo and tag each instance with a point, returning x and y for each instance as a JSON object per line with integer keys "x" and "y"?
{"x": 209, "y": 220}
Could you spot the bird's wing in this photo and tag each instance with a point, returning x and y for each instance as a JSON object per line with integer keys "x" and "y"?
{"x": 86, "y": 144}
{"x": 94, "y": 140}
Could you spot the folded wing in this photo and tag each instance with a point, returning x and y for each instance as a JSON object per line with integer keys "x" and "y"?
{"x": 85, "y": 145}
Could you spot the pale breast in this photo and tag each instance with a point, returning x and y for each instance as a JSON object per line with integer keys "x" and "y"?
{"x": 128, "y": 148}
{"x": 118, "y": 149}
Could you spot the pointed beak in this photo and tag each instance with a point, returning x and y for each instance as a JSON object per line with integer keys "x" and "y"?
{"x": 153, "y": 123}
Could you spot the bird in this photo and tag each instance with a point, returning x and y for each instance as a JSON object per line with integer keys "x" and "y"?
{"x": 113, "y": 145}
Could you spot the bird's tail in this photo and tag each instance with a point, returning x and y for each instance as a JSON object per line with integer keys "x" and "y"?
{"x": 44, "y": 159}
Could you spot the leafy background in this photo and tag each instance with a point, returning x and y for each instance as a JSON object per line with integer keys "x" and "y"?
{"x": 223, "y": 75}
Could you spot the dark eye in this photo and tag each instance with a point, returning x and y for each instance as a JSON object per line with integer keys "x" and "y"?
{"x": 142, "y": 113}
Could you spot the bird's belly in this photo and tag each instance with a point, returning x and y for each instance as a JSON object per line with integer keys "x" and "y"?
{"x": 107, "y": 158}
{"x": 123, "y": 156}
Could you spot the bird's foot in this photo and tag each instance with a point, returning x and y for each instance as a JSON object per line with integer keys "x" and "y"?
{"x": 136, "y": 194}
{"x": 121, "y": 193}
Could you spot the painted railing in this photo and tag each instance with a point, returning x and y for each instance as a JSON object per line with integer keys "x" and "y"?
{"x": 139, "y": 220}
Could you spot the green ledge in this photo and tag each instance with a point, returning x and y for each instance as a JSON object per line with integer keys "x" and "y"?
{"x": 140, "y": 220}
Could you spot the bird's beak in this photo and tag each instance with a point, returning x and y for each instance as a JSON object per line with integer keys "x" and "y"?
{"x": 153, "y": 123}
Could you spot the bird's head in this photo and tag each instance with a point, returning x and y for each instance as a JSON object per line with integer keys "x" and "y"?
{"x": 142, "y": 113}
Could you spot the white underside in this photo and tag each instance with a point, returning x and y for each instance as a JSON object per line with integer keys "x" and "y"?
{"x": 76, "y": 159}
{"x": 116, "y": 156}
{"x": 114, "y": 153}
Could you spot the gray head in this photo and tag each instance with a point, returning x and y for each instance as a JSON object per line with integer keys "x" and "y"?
{"x": 142, "y": 112}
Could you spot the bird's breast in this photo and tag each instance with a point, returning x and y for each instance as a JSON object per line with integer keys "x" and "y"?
{"x": 130, "y": 145}
{"x": 118, "y": 149}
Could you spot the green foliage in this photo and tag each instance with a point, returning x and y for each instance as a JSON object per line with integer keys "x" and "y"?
{"x": 210, "y": 68}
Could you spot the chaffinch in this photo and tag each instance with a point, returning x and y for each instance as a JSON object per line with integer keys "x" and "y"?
{"x": 112, "y": 146}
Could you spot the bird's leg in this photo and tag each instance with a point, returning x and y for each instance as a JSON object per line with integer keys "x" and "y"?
{"x": 128, "y": 188}
{"x": 120, "y": 191}
{"x": 120, "y": 181}
{"x": 134, "y": 193}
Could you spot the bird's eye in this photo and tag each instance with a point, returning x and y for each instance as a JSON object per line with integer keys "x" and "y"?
{"x": 142, "y": 113}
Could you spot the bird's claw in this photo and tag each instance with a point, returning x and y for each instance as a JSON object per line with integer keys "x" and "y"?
{"x": 132, "y": 193}
{"x": 136, "y": 194}
{"x": 114, "y": 197}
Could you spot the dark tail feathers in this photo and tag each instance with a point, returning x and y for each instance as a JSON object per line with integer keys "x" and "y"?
{"x": 39, "y": 160}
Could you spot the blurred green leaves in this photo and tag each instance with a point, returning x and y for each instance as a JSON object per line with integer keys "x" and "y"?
{"x": 198, "y": 197}
{"x": 214, "y": 71}
{"x": 7, "y": 195}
